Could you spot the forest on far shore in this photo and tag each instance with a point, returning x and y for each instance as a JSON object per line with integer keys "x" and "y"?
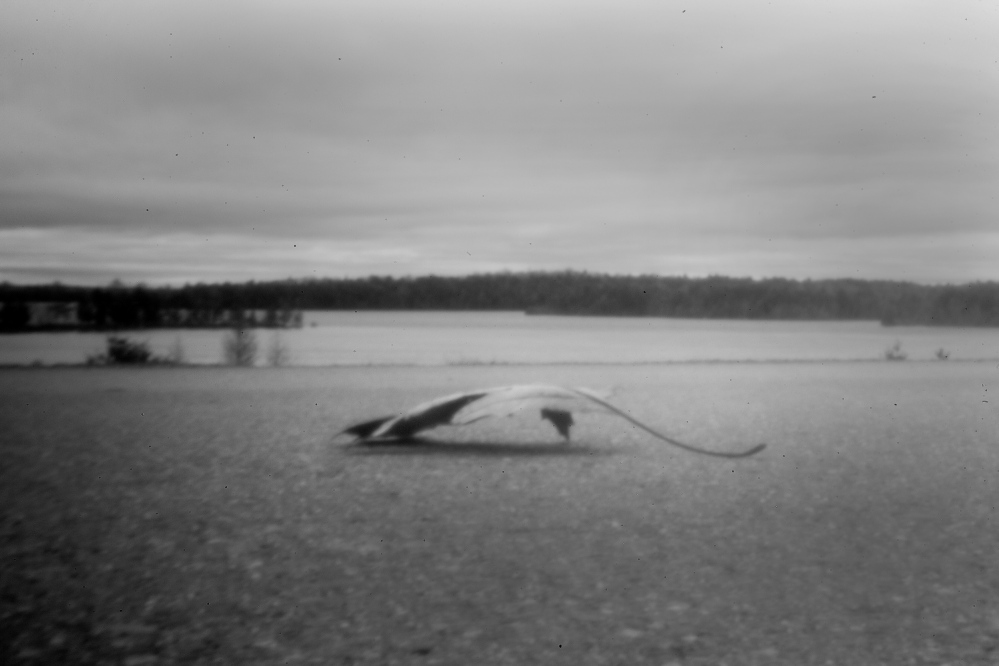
{"x": 276, "y": 303}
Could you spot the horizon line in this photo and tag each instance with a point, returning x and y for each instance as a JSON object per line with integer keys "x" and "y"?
{"x": 119, "y": 283}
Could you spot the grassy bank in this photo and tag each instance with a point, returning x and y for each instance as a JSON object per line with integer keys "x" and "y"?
{"x": 203, "y": 515}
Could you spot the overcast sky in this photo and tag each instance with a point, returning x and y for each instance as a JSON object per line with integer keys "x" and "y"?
{"x": 204, "y": 141}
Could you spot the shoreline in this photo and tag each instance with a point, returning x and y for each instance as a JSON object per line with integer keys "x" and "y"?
{"x": 501, "y": 364}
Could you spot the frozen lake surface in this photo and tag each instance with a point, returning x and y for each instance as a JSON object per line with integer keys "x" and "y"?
{"x": 460, "y": 338}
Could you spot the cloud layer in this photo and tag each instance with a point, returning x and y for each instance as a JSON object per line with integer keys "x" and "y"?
{"x": 183, "y": 141}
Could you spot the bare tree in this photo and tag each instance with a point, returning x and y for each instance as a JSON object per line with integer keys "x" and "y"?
{"x": 177, "y": 354}
{"x": 278, "y": 353}
{"x": 240, "y": 347}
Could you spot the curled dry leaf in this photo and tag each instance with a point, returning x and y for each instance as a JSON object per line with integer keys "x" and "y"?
{"x": 555, "y": 403}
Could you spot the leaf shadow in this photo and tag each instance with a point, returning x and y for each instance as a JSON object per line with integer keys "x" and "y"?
{"x": 420, "y": 446}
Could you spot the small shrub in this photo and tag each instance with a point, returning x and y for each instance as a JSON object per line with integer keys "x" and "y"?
{"x": 895, "y": 353}
{"x": 121, "y": 350}
{"x": 240, "y": 347}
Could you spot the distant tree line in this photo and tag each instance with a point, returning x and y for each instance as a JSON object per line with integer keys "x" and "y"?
{"x": 277, "y": 303}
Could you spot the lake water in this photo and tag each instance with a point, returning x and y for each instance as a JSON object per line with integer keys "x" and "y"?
{"x": 454, "y": 338}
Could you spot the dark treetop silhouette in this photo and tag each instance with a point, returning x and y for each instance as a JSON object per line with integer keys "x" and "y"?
{"x": 555, "y": 403}
{"x": 278, "y": 303}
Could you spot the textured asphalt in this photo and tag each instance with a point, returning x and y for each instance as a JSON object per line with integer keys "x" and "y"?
{"x": 206, "y": 515}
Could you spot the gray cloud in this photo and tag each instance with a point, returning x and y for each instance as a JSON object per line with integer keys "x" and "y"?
{"x": 734, "y": 137}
